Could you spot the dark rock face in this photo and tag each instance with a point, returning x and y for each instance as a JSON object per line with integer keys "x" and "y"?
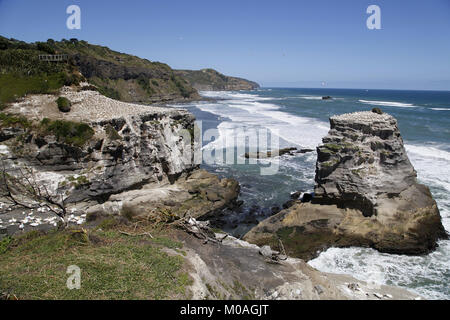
{"x": 366, "y": 194}
{"x": 145, "y": 82}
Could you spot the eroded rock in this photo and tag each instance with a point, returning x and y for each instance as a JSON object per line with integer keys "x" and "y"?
{"x": 366, "y": 194}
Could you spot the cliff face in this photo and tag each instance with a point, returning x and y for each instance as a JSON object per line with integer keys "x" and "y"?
{"x": 211, "y": 80}
{"x": 125, "y": 77}
{"x": 366, "y": 194}
{"x": 125, "y": 157}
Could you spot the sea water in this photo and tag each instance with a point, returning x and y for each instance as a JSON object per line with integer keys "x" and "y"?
{"x": 300, "y": 119}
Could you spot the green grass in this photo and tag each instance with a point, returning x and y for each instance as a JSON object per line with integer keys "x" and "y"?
{"x": 113, "y": 266}
{"x": 14, "y": 86}
{"x": 333, "y": 146}
{"x": 108, "y": 91}
{"x": 9, "y": 120}
{"x": 167, "y": 242}
{"x": 4, "y": 244}
{"x": 69, "y": 132}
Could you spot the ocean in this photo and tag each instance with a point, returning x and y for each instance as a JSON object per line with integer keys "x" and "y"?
{"x": 299, "y": 118}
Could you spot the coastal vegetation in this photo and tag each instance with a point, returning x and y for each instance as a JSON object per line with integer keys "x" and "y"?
{"x": 210, "y": 79}
{"x": 114, "y": 264}
{"x": 116, "y": 75}
{"x": 69, "y": 132}
{"x": 73, "y": 133}
{"x": 64, "y": 104}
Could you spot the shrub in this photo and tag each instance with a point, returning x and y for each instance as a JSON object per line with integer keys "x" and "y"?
{"x": 109, "y": 92}
{"x": 8, "y": 120}
{"x": 64, "y": 104}
{"x": 74, "y": 133}
{"x": 377, "y": 110}
{"x": 42, "y": 46}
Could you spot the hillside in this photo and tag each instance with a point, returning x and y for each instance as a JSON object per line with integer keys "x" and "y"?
{"x": 116, "y": 75}
{"x": 211, "y": 80}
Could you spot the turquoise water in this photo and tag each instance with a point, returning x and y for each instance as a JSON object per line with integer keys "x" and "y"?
{"x": 299, "y": 117}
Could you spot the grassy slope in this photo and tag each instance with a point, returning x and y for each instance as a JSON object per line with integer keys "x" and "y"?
{"x": 21, "y": 71}
{"x": 149, "y": 81}
{"x": 113, "y": 266}
{"x": 216, "y": 80}
{"x": 138, "y": 80}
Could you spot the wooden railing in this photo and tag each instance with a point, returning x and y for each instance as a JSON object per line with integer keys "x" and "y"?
{"x": 53, "y": 57}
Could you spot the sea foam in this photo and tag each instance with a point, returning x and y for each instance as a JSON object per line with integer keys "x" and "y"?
{"x": 388, "y": 103}
{"x": 250, "y": 110}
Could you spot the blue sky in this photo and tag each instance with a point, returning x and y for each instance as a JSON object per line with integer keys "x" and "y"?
{"x": 277, "y": 43}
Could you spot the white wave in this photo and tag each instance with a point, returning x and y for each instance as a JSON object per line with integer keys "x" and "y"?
{"x": 311, "y": 97}
{"x": 424, "y": 275}
{"x": 233, "y": 95}
{"x": 246, "y": 110}
{"x": 440, "y": 109}
{"x": 388, "y": 103}
{"x": 427, "y": 151}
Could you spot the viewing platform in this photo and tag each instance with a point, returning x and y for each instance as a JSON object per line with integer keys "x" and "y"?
{"x": 54, "y": 57}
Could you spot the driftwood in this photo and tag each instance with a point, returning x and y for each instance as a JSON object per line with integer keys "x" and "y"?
{"x": 272, "y": 256}
{"x": 201, "y": 230}
{"x": 282, "y": 255}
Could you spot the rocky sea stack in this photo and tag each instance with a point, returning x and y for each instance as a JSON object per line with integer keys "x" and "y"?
{"x": 366, "y": 194}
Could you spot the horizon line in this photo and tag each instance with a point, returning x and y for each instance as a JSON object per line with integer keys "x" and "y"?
{"x": 330, "y": 88}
